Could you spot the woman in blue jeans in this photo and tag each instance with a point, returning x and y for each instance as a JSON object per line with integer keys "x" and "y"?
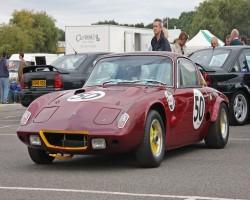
{"x": 4, "y": 79}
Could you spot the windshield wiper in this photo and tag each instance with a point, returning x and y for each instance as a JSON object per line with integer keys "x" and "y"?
{"x": 115, "y": 81}
{"x": 128, "y": 81}
{"x": 118, "y": 82}
{"x": 112, "y": 81}
{"x": 152, "y": 81}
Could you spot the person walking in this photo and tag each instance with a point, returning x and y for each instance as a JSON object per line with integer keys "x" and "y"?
{"x": 235, "y": 38}
{"x": 179, "y": 45}
{"x": 20, "y": 68}
{"x": 4, "y": 79}
{"x": 159, "y": 42}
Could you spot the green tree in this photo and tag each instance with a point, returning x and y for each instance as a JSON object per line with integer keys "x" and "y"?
{"x": 110, "y": 22}
{"x": 13, "y": 39}
{"x": 221, "y": 16}
{"x": 60, "y": 35}
{"x": 39, "y": 26}
{"x": 30, "y": 31}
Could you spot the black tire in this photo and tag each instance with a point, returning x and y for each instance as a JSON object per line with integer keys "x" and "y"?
{"x": 144, "y": 153}
{"x": 216, "y": 137}
{"x": 25, "y": 101}
{"x": 39, "y": 156}
{"x": 232, "y": 116}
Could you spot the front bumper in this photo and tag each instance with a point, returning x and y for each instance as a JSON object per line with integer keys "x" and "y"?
{"x": 115, "y": 143}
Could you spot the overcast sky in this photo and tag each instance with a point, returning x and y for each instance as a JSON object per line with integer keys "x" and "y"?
{"x": 85, "y": 12}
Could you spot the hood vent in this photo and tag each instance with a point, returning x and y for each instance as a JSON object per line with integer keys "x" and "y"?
{"x": 79, "y": 91}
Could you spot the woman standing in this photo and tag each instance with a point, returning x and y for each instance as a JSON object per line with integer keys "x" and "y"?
{"x": 179, "y": 45}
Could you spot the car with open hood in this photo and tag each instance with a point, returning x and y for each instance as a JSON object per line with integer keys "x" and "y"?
{"x": 145, "y": 103}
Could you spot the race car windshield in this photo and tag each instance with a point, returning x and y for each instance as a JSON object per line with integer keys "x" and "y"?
{"x": 153, "y": 70}
{"x": 210, "y": 58}
{"x": 69, "y": 62}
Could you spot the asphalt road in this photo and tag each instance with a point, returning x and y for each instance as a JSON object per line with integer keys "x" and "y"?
{"x": 193, "y": 172}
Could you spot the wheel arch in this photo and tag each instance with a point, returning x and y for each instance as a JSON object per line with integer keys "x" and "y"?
{"x": 245, "y": 90}
{"x": 159, "y": 107}
{"x": 216, "y": 107}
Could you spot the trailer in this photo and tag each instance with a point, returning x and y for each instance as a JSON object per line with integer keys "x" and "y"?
{"x": 106, "y": 38}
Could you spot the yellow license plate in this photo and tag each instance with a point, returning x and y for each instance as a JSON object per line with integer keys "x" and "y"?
{"x": 38, "y": 83}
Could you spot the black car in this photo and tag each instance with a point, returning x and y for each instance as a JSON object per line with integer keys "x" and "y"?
{"x": 227, "y": 69}
{"x": 67, "y": 72}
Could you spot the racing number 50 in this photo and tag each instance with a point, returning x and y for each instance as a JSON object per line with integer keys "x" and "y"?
{"x": 198, "y": 109}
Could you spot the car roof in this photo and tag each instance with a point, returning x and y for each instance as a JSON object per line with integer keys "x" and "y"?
{"x": 144, "y": 53}
{"x": 89, "y": 53}
{"x": 233, "y": 48}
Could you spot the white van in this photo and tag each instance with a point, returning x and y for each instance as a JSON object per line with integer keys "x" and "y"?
{"x": 31, "y": 59}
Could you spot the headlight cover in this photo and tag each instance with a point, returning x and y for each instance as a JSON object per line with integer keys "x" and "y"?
{"x": 25, "y": 118}
{"x": 106, "y": 116}
{"x": 123, "y": 120}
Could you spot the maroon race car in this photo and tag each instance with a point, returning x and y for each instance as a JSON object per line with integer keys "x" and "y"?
{"x": 140, "y": 102}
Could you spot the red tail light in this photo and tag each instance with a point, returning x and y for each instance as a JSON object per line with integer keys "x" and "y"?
{"x": 58, "y": 81}
{"x": 207, "y": 78}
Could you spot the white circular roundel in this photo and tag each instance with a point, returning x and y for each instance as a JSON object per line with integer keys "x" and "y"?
{"x": 198, "y": 109}
{"x": 87, "y": 96}
{"x": 170, "y": 100}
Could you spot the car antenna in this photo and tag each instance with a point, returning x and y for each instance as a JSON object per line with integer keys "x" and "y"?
{"x": 73, "y": 48}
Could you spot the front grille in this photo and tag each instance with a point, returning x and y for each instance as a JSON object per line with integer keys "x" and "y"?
{"x": 64, "y": 140}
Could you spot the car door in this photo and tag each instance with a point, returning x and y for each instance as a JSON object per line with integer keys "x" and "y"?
{"x": 244, "y": 66}
{"x": 190, "y": 103}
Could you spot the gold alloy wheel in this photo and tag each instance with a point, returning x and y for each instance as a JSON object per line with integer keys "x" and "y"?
{"x": 223, "y": 124}
{"x": 156, "y": 137}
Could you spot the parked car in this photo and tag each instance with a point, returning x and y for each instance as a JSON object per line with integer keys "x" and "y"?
{"x": 30, "y": 59}
{"x": 227, "y": 69}
{"x": 67, "y": 72}
{"x": 141, "y": 102}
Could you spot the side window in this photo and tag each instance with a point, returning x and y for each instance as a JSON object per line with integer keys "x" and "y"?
{"x": 244, "y": 61}
{"x": 187, "y": 74}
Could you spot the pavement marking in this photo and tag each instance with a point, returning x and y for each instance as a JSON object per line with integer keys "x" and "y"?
{"x": 11, "y": 116}
{"x": 10, "y": 104}
{"x": 113, "y": 193}
{"x": 9, "y": 120}
{"x": 8, "y": 126}
{"x": 7, "y": 134}
{"x": 240, "y": 139}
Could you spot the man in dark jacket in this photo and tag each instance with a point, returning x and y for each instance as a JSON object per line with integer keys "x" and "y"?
{"x": 159, "y": 41}
{"x": 4, "y": 79}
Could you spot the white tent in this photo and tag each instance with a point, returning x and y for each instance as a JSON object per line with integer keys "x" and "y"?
{"x": 201, "y": 40}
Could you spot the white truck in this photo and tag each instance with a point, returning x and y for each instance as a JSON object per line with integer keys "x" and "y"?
{"x": 106, "y": 38}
